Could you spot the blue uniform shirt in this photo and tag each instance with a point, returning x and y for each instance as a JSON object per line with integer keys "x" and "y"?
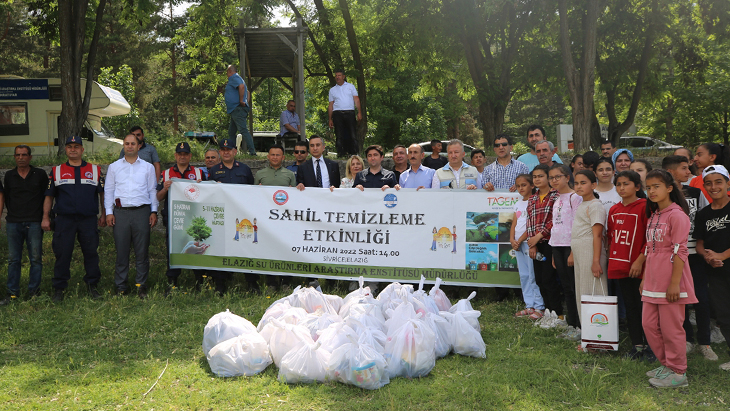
{"x": 231, "y": 94}
{"x": 76, "y": 189}
{"x": 238, "y": 174}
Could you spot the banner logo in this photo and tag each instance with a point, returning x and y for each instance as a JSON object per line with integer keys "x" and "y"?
{"x": 599, "y": 319}
{"x": 390, "y": 200}
{"x": 192, "y": 192}
{"x": 281, "y": 197}
{"x": 88, "y": 174}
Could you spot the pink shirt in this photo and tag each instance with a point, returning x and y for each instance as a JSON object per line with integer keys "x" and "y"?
{"x": 563, "y": 215}
{"x": 666, "y": 239}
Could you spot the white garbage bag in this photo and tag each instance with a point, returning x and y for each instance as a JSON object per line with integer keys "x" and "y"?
{"x": 467, "y": 340}
{"x": 224, "y": 326}
{"x": 312, "y": 300}
{"x": 442, "y": 329}
{"x": 335, "y": 301}
{"x": 398, "y": 317}
{"x": 361, "y": 292}
{"x": 320, "y": 321}
{"x": 336, "y": 335}
{"x": 358, "y": 364}
{"x": 306, "y": 364}
{"x": 245, "y": 355}
{"x": 368, "y": 335}
{"x": 410, "y": 350}
{"x": 439, "y": 297}
{"x": 464, "y": 305}
{"x": 424, "y": 298}
{"x": 286, "y": 337}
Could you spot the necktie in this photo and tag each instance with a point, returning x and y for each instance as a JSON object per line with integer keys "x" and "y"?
{"x": 319, "y": 175}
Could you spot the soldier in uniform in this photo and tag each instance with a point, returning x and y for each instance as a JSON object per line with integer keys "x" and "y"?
{"x": 78, "y": 190}
{"x": 181, "y": 169}
{"x": 230, "y": 171}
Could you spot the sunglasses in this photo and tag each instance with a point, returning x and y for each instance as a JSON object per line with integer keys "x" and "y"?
{"x": 497, "y": 145}
{"x": 300, "y": 151}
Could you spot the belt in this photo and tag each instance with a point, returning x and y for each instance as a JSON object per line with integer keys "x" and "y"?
{"x": 133, "y": 208}
{"x": 344, "y": 111}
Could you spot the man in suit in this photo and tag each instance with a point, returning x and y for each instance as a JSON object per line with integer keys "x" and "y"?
{"x": 318, "y": 171}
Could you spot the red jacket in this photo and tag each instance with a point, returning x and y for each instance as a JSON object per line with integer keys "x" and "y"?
{"x": 626, "y": 230}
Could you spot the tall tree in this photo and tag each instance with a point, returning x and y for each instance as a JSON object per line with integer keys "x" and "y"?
{"x": 580, "y": 74}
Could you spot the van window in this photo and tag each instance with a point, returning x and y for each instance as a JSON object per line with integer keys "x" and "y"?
{"x": 14, "y": 119}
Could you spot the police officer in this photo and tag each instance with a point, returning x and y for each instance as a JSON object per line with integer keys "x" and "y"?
{"x": 231, "y": 171}
{"x": 181, "y": 169}
{"x": 78, "y": 190}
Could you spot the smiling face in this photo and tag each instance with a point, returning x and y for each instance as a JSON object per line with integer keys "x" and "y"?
{"x": 716, "y": 186}
{"x": 374, "y": 158}
{"x": 606, "y": 150}
{"x": 74, "y": 151}
{"x": 275, "y": 157}
{"x": 211, "y": 158}
{"x": 623, "y": 162}
{"x": 355, "y": 166}
{"x": 533, "y": 137}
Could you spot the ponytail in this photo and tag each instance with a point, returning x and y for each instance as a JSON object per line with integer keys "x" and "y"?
{"x": 721, "y": 152}
{"x": 591, "y": 176}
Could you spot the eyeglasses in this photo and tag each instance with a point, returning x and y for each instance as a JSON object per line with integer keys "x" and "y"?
{"x": 555, "y": 178}
{"x": 300, "y": 151}
{"x": 496, "y": 145}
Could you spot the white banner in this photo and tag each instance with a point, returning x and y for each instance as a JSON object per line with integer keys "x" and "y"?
{"x": 460, "y": 236}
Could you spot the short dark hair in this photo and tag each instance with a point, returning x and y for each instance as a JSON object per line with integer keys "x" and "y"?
{"x": 302, "y": 143}
{"x": 316, "y": 136}
{"x": 436, "y": 141}
{"x": 536, "y": 127}
{"x": 590, "y": 160}
{"x": 506, "y": 137}
{"x": 22, "y": 146}
{"x": 291, "y": 101}
{"x": 400, "y": 146}
{"x": 135, "y": 128}
{"x": 375, "y": 147}
{"x": 672, "y": 162}
{"x": 604, "y": 142}
{"x": 477, "y": 151}
{"x": 132, "y": 135}
{"x": 339, "y": 70}
{"x": 278, "y": 147}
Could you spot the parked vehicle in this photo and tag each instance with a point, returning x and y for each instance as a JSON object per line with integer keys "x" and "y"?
{"x": 644, "y": 144}
{"x": 30, "y": 110}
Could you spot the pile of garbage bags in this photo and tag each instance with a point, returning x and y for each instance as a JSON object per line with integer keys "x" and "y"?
{"x": 359, "y": 340}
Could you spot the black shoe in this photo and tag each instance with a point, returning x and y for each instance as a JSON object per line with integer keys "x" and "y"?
{"x": 648, "y": 355}
{"x": 634, "y": 354}
{"x": 314, "y": 284}
{"x": 254, "y": 287}
{"x": 142, "y": 292}
{"x": 7, "y": 300}
{"x": 57, "y": 295}
{"x": 94, "y": 293}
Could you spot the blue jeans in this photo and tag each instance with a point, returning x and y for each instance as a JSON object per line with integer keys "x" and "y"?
{"x": 530, "y": 290}
{"x": 239, "y": 115}
{"x": 31, "y": 234}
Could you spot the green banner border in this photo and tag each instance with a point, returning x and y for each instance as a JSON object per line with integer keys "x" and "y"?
{"x": 510, "y": 279}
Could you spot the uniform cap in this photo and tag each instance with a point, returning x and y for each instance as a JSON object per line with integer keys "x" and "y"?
{"x": 73, "y": 140}
{"x": 182, "y": 148}
{"x": 227, "y": 143}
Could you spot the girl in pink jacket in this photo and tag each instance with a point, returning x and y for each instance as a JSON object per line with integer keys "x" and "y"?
{"x": 667, "y": 285}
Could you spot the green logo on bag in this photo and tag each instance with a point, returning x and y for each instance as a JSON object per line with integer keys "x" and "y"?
{"x": 599, "y": 336}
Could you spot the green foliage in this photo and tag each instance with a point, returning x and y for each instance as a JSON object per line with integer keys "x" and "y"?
{"x": 199, "y": 230}
{"x": 120, "y": 80}
{"x": 520, "y": 148}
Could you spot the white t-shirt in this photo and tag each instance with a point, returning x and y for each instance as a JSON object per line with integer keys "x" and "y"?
{"x": 520, "y": 209}
{"x": 342, "y": 96}
{"x": 608, "y": 199}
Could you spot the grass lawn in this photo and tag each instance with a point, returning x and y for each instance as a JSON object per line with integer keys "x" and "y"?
{"x": 83, "y": 355}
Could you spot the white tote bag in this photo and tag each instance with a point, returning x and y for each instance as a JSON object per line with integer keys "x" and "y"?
{"x": 599, "y": 321}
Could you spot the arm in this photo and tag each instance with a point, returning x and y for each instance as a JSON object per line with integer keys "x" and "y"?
{"x": 102, "y": 217}
{"x": 109, "y": 185}
{"x": 515, "y": 244}
{"x": 47, "y": 205}
{"x": 597, "y": 245}
{"x": 715, "y": 260}
{"x": 156, "y": 164}
{"x": 152, "y": 193}
{"x": 677, "y": 269}
{"x": 329, "y": 112}
{"x": 357, "y": 106}
{"x": 242, "y": 94}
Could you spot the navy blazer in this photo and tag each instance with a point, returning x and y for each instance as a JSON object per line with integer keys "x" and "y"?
{"x": 306, "y": 175}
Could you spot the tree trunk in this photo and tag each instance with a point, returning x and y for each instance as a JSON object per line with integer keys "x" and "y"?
{"x": 333, "y": 53}
{"x": 669, "y": 120}
{"x": 72, "y": 26}
{"x": 173, "y": 61}
{"x": 362, "y": 125}
{"x": 580, "y": 79}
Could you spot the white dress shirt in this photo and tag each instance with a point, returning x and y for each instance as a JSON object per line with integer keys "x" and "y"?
{"x": 134, "y": 184}
{"x": 323, "y": 169}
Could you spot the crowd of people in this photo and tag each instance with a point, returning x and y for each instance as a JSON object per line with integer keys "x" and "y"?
{"x": 656, "y": 238}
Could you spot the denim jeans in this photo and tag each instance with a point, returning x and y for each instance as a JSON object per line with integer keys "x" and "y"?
{"x": 31, "y": 234}
{"x": 239, "y": 117}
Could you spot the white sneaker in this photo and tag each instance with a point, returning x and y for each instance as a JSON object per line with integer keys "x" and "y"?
{"x": 716, "y": 335}
{"x": 725, "y": 366}
{"x": 707, "y": 352}
{"x": 690, "y": 347}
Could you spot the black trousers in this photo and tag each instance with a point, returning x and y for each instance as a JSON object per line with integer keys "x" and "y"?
{"x": 720, "y": 299}
{"x": 632, "y": 300}
{"x": 567, "y": 280}
{"x": 702, "y": 307}
{"x": 68, "y": 229}
{"x": 345, "y": 123}
{"x": 547, "y": 279}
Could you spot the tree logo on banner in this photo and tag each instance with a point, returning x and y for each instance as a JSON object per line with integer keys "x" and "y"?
{"x": 390, "y": 200}
{"x": 281, "y": 197}
{"x": 192, "y": 192}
